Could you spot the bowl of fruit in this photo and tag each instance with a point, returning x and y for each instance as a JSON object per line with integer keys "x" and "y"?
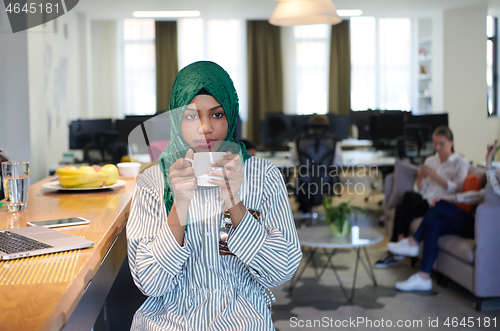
{"x": 86, "y": 178}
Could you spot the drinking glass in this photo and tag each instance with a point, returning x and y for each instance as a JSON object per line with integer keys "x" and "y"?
{"x": 15, "y": 184}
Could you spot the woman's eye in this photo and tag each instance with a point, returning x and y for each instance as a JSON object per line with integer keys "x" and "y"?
{"x": 191, "y": 117}
{"x": 218, "y": 115}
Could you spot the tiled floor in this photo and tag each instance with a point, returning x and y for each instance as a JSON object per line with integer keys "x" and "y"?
{"x": 321, "y": 301}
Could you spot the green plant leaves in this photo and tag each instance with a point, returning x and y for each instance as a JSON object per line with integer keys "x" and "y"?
{"x": 340, "y": 214}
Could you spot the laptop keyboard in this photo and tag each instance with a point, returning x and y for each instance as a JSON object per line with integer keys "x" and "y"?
{"x": 14, "y": 243}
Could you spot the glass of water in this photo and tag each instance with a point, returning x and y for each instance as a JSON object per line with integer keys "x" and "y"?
{"x": 15, "y": 184}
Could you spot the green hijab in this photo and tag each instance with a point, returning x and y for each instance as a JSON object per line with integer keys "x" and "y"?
{"x": 188, "y": 82}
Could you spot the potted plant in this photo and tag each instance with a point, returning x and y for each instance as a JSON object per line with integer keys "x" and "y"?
{"x": 337, "y": 217}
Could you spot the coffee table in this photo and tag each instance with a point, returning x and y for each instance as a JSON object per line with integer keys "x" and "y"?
{"x": 319, "y": 237}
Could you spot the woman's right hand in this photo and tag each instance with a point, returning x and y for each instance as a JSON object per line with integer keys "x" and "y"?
{"x": 449, "y": 198}
{"x": 436, "y": 199}
{"x": 423, "y": 172}
{"x": 182, "y": 179}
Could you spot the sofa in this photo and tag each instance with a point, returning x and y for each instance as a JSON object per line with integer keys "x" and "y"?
{"x": 471, "y": 263}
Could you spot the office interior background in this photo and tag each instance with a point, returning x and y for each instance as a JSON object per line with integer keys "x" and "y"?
{"x": 424, "y": 57}
{"x": 98, "y": 61}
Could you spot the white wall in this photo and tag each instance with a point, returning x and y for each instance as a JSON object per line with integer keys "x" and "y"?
{"x": 437, "y": 64}
{"x": 104, "y": 69}
{"x": 85, "y": 66}
{"x": 14, "y": 104}
{"x": 464, "y": 80}
{"x": 54, "y": 90}
{"x": 289, "y": 83}
{"x": 47, "y": 80}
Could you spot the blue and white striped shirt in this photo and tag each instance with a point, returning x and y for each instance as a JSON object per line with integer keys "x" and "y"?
{"x": 192, "y": 287}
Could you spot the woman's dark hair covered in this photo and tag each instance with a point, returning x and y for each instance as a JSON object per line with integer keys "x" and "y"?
{"x": 207, "y": 77}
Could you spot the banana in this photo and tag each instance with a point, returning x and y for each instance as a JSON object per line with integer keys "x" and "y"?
{"x": 83, "y": 179}
{"x": 73, "y": 171}
{"x": 89, "y": 185}
{"x": 67, "y": 172}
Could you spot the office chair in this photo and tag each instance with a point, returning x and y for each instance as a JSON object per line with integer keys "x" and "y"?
{"x": 316, "y": 153}
{"x": 411, "y": 145}
{"x": 275, "y": 131}
{"x": 106, "y": 142}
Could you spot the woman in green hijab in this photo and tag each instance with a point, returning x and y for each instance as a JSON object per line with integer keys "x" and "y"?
{"x": 206, "y": 255}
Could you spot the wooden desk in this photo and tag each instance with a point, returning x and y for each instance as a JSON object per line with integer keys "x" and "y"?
{"x": 280, "y": 159}
{"x": 352, "y": 158}
{"x": 41, "y": 293}
{"x": 367, "y": 159}
{"x": 350, "y": 144}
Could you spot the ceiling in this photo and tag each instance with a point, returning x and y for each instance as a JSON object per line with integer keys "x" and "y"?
{"x": 262, "y": 9}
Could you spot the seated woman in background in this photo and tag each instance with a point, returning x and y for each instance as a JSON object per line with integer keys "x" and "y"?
{"x": 441, "y": 174}
{"x": 442, "y": 219}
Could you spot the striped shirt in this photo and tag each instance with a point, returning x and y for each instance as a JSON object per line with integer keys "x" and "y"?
{"x": 475, "y": 197}
{"x": 192, "y": 287}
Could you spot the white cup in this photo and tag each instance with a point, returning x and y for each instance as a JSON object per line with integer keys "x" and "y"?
{"x": 129, "y": 169}
{"x": 202, "y": 165}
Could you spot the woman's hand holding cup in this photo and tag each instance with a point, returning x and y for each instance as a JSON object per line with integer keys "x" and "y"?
{"x": 233, "y": 178}
{"x": 183, "y": 180}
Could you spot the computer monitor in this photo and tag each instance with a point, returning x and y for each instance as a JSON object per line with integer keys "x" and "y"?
{"x": 275, "y": 131}
{"x": 296, "y": 124}
{"x": 339, "y": 126}
{"x": 140, "y": 118}
{"x": 432, "y": 120}
{"x": 387, "y": 125}
{"x": 124, "y": 127}
{"x": 361, "y": 119}
{"x": 81, "y": 131}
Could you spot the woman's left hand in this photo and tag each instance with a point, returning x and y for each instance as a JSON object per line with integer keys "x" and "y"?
{"x": 233, "y": 178}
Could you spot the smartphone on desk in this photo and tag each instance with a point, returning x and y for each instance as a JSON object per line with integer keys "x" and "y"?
{"x": 60, "y": 222}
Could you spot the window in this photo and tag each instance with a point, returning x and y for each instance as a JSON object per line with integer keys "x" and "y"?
{"x": 219, "y": 41}
{"x": 492, "y": 65}
{"x": 312, "y": 52}
{"x": 380, "y": 63}
{"x": 138, "y": 67}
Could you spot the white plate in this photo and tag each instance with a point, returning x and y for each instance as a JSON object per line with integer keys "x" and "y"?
{"x": 54, "y": 185}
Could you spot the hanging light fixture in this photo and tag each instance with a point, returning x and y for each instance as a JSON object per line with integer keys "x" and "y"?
{"x": 304, "y": 12}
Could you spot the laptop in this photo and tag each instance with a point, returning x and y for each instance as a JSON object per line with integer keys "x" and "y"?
{"x": 37, "y": 240}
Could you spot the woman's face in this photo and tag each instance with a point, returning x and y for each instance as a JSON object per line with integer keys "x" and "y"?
{"x": 204, "y": 126}
{"x": 442, "y": 145}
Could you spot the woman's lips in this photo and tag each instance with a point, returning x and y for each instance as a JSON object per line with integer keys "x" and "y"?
{"x": 205, "y": 143}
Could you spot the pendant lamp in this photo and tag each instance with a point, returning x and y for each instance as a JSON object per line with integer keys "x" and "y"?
{"x": 304, "y": 12}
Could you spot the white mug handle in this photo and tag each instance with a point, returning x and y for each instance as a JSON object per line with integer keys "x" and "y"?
{"x": 191, "y": 161}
